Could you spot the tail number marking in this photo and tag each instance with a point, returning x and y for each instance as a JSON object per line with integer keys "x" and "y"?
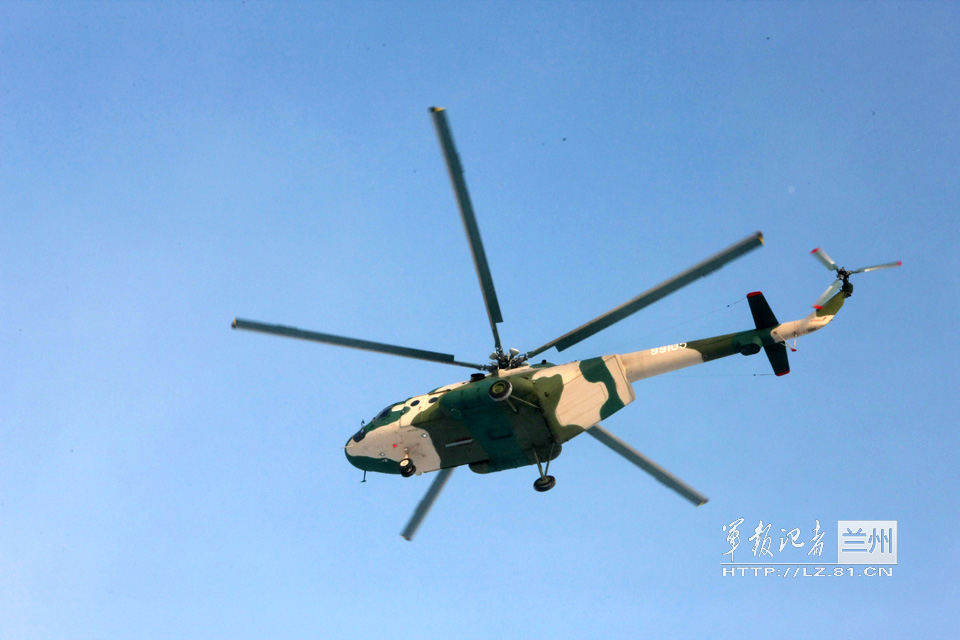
{"x": 672, "y": 347}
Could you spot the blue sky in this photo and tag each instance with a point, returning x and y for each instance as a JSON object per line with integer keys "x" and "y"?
{"x": 167, "y": 167}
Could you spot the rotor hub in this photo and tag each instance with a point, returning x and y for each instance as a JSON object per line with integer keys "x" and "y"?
{"x": 512, "y": 359}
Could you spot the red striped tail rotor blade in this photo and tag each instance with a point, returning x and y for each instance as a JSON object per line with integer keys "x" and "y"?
{"x": 822, "y": 256}
{"x": 888, "y": 265}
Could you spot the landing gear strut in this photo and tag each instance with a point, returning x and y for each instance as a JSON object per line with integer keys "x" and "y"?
{"x": 544, "y": 482}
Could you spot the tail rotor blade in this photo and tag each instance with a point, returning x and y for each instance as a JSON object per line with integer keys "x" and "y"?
{"x": 822, "y": 256}
{"x": 648, "y": 465}
{"x": 424, "y": 507}
{"x": 829, "y": 293}
{"x": 888, "y": 265}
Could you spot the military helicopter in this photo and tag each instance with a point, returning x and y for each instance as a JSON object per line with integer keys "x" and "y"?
{"x": 513, "y": 412}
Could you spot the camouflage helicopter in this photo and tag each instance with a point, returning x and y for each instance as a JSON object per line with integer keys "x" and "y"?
{"x": 514, "y": 413}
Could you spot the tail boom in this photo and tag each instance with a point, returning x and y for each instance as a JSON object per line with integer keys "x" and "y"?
{"x": 658, "y": 360}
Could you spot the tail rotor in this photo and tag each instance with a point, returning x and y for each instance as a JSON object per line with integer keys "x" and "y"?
{"x": 843, "y": 276}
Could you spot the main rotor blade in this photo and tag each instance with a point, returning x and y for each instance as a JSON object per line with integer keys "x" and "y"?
{"x": 421, "y": 512}
{"x": 888, "y": 265}
{"x": 469, "y": 221}
{"x": 353, "y": 343}
{"x": 824, "y": 259}
{"x": 647, "y": 465}
{"x": 649, "y": 297}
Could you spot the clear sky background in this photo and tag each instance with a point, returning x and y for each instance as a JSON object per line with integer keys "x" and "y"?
{"x": 167, "y": 167}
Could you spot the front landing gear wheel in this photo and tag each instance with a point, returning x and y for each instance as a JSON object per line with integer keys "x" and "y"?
{"x": 406, "y": 468}
{"x": 544, "y": 483}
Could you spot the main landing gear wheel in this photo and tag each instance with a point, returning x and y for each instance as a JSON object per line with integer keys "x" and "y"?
{"x": 544, "y": 483}
{"x": 406, "y": 468}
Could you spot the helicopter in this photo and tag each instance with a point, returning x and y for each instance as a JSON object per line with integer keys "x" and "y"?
{"x": 514, "y": 412}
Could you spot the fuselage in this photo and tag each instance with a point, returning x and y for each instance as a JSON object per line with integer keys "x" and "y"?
{"x": 467, "y": 423}
{"x": 492, "y": 426}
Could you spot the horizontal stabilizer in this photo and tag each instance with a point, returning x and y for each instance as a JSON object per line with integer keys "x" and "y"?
{"x": 764, "y": 319}
{"x": 762, "y": 314}
{"x": 777, "y": 354}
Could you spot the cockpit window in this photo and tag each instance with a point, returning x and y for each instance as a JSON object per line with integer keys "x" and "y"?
{"x": 384, "y": 413}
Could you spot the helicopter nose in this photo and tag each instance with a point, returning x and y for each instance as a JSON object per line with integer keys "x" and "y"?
{"x": 355, "y": 454}
{"x": 351, "y": 454}
{"x": 367, "y": 451}
{"x": 353, "y": 448}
